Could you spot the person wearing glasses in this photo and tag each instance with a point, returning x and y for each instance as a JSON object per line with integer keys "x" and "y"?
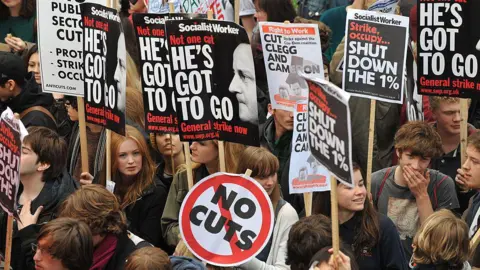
{"x": 63, "y": 243}
{"x": 95, "y": 145}
{"x": 44, "y": 185}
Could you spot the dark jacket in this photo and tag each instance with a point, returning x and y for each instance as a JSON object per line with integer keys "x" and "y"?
{"x": 125, "y": 247}
{"x": 167, "y": 181}
{"x": 29, "y": 97}
{"x": 145, "y": 214}
{"x": 469, "y": 215}
{"x": 52, "y": 195}
{"x": 282, "y": 149}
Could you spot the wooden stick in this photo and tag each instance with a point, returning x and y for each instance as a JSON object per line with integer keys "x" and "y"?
{"x": 171, "y": 154}
{"x": 307, "y": 198}
{"x": 8, "y": 244}
{"x": 463, "y": 128}
{"x": 334, "y": 216}
{"x": 237, "y": 11}
{"x": 109, "y": 157}
{"x": 248, "y": 172}
{"x": 188, "y": 161}
{"x": 83, "y": 134}
{"x": 210, "y": 14}
{"x": 221, "y": 156}
{"x": 371, "y": 136}
{"x": 475, "y": 240}
{"x": 172, "y": 7}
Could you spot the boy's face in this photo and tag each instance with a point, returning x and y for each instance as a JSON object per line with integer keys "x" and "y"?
{"x": 471, "y": 167}
{"x": 417, "y": 163}
{"x": 448, "y": 117}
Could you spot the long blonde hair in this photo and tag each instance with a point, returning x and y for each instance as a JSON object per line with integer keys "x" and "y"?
{"x": 133, "y": 76}
{"x": 443, "y": 238}
{"x": 144, "y": 178}
{"x": 134, "y": 106}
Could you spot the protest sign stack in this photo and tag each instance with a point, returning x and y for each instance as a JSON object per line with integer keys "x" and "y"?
{"x": 226, "y": 219}
{"x": 374, "y": 67}
{"x": 448, "y": 54}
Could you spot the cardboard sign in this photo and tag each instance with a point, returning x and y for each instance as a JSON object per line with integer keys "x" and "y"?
{"x": 157, "y": 82}
{"x": 375, "y": 52}
{"x": 12, "y": 132}
{"x": 60, "y": 42}
{"x": 226, "y": 219}
{"x": 105, "y": 67}
{"x": 449, "y": 48}
{"x": 330, "y": 136}
{"x": 214, "y": 81}
{"x": 306, "y": 174}
{"x": 287, "y": 50}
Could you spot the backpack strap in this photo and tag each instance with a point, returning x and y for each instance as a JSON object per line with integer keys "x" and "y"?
{"x": 380, "y": 189}
{"x": 435, "y": 191}
{"x": 40, "y": 109}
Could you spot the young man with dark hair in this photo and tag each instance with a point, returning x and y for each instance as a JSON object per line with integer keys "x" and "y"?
{"x": 63, "y": 244}
{"x": 307, "y": 237}
{"x": 23, "y": 96}
{"x": 44, "y": 184}
{"x": 410, "y": 192}
{"x": 446, "y": 113}
{"x": 469, "y": 175}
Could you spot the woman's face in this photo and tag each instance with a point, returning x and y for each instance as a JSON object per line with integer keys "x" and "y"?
{"x": 34, "y": 66}
{"x": 168, "y": 143}
{"x": 268, "y": 183}
{"x": 129, "y": 158}
{"x": 204, "y": 152}
{"x": 326, "y": 74}
{"x": 352, "y": 199}
{"x": 12, "y": 3}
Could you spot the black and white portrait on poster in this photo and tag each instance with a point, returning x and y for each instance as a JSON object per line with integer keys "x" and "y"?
{"x": 214, "y": 79}
{"x": 105, "y": 67}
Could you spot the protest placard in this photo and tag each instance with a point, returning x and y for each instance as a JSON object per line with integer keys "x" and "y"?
{"x": 222, "y": 9}
{"x": 287, "y": 50}
{"x": 329, "y": 133}
{"x": 226, "y": 219}
{"x": 448, "y": 48}
{"x": 60, "y": 42}
{"x": 104, "y": 67}
{"x": 375, "y": 52}
{"x": 413, "y": 99}
{"x": 12, "y": 132}
{"x": 157, "y": 83}
{"x": 306, "y": 173}
{"x": 214, "y": 80}
{"x": 384, "y": 6}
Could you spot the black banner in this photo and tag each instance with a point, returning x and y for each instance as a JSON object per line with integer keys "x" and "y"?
{"x": 157, "y": 82}
{"x": 10, "y": 150}
{"x": 449, "y": 48}
{"x": 214, "y": 79}
{"x": 375, "y": 48}
{"x": 329, "y": 128}
{"x": 105, "y": 67}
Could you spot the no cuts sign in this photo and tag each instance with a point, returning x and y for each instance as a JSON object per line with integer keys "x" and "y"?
{"x": 226, "y": 219}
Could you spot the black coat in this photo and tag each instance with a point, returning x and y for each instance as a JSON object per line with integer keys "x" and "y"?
{"x": 125, "y": 247}
{"x": 145, "y": 214}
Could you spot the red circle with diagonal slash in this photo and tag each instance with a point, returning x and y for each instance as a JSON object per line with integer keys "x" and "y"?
{"x": 237, "y": 255}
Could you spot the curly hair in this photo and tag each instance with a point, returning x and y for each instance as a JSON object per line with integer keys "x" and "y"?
{"x": 420, "y": 138}
{"x": 98, "y": 208}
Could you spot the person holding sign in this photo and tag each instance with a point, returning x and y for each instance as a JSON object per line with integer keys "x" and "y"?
{"x": 17, "y": 23}
{"x": 101, "y": 211}
{"x": 44, "y": 186}
{"x": 63, "y": 243}
{"x": 441, "y": 243}
{"x": 373, "y": 236}
{"x": 410, "y": 192}
{"x": 264, "y": 166}
{"x": 205, "y": 155}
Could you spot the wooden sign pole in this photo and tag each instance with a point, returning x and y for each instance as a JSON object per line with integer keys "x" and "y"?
{"x": 334, "y": 216}
{"x": 221, "y": 156}
{"x": 463, "y": 128}
{"x": 83, "y": 134}
{"x": 307, "y": 198}
{"x": 237, "y": 11}
{"x": 371, "y": 136}
{"x": 171, "y": 7}
{"x": 188, "y": 162}
{"x": 8, "y": 246}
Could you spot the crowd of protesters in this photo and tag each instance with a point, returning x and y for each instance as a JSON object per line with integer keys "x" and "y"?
{"x": 422, "y": 211}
